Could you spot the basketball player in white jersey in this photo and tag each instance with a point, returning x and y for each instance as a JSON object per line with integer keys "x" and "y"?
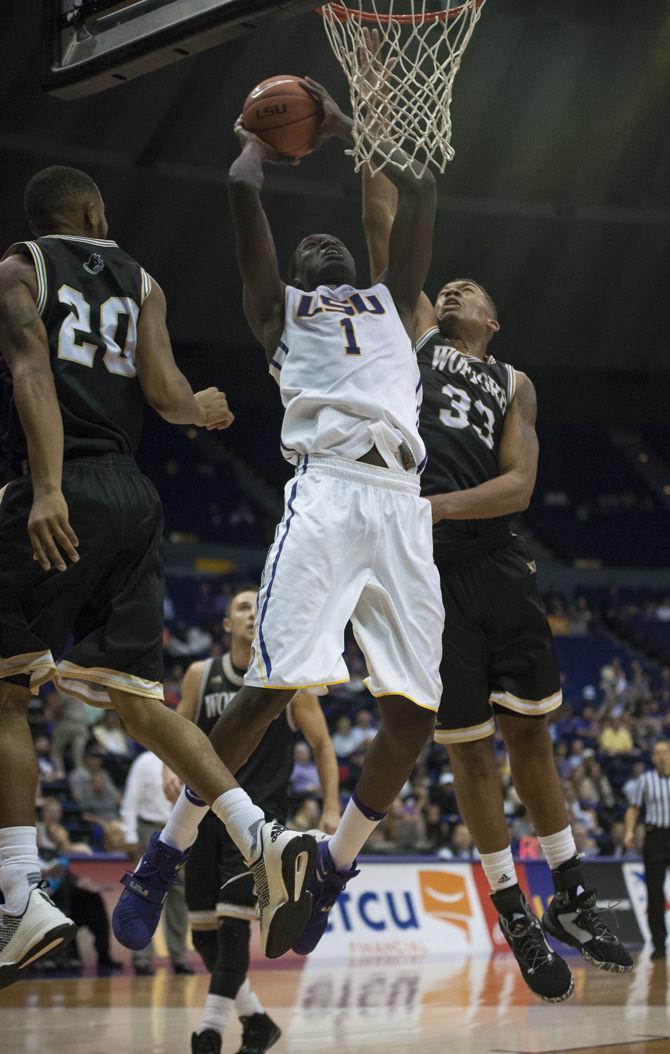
{"x": 355, "y": 541}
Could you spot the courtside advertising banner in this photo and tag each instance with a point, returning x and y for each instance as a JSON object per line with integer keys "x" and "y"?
{"x": 633, "y": 873}
{"x": 407, "y": 910}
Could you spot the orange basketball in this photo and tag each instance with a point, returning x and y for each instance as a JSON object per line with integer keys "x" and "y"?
{"x": 283, "y": 114}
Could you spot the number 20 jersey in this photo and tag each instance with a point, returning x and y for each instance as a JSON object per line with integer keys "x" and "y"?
{"x": 89, "y": 294}
{"x": 465, "y": 401}
{"x": 348, "y": 377}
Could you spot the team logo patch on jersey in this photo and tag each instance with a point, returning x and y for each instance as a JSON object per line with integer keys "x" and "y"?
{"x": 95, "y": 264}
{"x": 532, "y": 566}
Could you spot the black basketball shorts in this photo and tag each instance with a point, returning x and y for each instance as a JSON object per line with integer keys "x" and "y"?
{"x": 214, "y": 861}
{"x": 498, "y": 648}
{"x": 99, "y": 623}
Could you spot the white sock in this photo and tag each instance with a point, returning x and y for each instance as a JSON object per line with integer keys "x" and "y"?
{"x": 499, "y": 869}
{"x": 19, "y": 866}
{"x": 181, "y": 829}
{"x": 243, "y": 821}
{"x": 216, "y": 1013}
{"x": 559, "y": 848}
{"x": 352, "y": 832}
{"x": 247, "y": 1002}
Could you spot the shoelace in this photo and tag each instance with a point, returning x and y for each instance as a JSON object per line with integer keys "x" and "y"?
{"x": 588, "y": 918}
{"x": 532, "y": 946}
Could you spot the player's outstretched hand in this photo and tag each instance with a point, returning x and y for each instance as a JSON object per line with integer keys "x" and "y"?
{"x": 335, "y": 122}
{"x": 268, "y": 153}
{"x": 330, "y": 818}
{"x": 214, "y": 411}
{"x": 51, "y": 535}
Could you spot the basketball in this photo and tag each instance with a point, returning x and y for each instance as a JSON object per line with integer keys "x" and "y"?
{"x": 282, "y": 113}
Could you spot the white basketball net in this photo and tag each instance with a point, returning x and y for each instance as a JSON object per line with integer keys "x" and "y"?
{"x": 403, "y": 94}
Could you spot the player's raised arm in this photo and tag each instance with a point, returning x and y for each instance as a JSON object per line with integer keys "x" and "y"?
{"x": 512, "y": 489}
{"x": 254, "y": 243}
{"x": 411, "y": 234}
{"x": 163, "y": 384}
{"x": 25, "y": 348}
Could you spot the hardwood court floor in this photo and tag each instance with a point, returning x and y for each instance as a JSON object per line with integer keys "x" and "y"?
{"x": 473, "y": 1006}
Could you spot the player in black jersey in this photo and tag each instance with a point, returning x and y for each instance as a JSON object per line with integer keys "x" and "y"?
{"x": 83, "y": 337}
{"x": 499, "y": 663}
{"x": 220, "y": 917}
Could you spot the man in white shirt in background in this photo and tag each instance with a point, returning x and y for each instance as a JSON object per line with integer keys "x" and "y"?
{"x": 145, "y": 809}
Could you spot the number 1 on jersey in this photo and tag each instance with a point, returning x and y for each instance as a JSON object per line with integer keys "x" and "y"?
{"x": 351, "y": 347}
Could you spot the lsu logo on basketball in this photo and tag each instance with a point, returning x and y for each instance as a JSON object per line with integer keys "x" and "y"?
{"x": 445, "y": 897}
{"x": 270, "y": 111}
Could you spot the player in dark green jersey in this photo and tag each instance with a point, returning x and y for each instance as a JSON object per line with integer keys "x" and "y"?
{"x": 499, "y": 664}
{"x": 84, "y": 339}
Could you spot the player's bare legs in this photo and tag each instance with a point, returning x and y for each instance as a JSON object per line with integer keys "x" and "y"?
{"x": 178, "y": 742}
{"x": 405, "y": 728}
{"x": 281, "y": 861}
{"x": 531, "y": 755}
{"x": 479, "y": 793}
{"x": 17, "y": 759}
{"x": 241, "y": 727}
{"x": 538, "y": 784}
{"x": 42, "y": 926}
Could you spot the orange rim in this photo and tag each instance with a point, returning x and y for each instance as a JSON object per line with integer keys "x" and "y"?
{"x": 343, "y": 13}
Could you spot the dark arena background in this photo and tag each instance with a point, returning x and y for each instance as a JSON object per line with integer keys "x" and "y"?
{"x": 558, "y": 202}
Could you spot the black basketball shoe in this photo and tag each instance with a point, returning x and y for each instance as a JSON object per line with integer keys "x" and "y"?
{"x": 259, "y": 1033}
{"x": 572, "y": 918}
{"x": 546, "y": 974}
{"x": 207, "y": 1042}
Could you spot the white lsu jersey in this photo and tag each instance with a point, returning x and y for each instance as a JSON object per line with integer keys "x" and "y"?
{"x": 348, "y": 377}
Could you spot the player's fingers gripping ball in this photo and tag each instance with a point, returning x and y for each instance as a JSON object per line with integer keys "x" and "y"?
{"x": 283, "y": 113}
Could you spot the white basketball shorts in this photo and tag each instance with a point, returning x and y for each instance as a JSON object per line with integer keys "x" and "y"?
{"x": 355, "y": 542}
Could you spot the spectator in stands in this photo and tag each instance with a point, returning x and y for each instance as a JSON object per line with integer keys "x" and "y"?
{"x": 585, "y": 788}
{"x": 144, "y": 810}
{"x": 579, "y": 815}
{"x": 631, "y": 784}
{"x": 70, "y": 730}
{"x": 364, "y": 730}
{"x": 639, "y": 688}
{"x": 615, "y": 737}
{"x": 663, "y": 610}
{"x": 613, "y": 844}
{"x": 461, "y": 845}
{"x": 580, "y": 618}
{"x": 344, "y": 740}
{"x": 81, "y": 902}
{"x": 584, "y": 841}
{"x": 576, "y": 755}
{"x": 563, "y": 763}
{"x": 53, "y": 838}
{"x": 595, "y": 772}
{"x": 613, "y": 676}
{"x": 402, "y": 830}
{"x": 307, "y": 815}
{"x": 93, "y": 790}
{"x": 304, "y": 778}
{"x": 437, "y": 828}
{"x": 49, "y": 771}
{"x": 110, "y": 736}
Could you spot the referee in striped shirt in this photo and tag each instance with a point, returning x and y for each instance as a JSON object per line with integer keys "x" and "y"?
{"x": 653, "y": 791}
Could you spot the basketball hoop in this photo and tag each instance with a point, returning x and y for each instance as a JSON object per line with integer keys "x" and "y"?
{"x": 402, "y": 93}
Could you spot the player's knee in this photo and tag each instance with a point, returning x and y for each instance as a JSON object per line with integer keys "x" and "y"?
{"x": 14, "y": 698}
{"x": 206, "y": 943}
{"x": 135, "y": 713}
{"x": 408, "y": 725}
{"x": 525, "y": 736}
{"x": 475, "y": 760}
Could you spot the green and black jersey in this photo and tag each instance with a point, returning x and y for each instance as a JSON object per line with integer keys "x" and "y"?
{"x": 465, "y": 401}
{"x": 90, "y": 293}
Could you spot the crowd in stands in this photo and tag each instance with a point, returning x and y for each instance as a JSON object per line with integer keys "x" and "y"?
{"x": 613, "y": 712}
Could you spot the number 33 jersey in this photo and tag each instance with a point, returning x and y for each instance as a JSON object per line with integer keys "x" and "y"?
{"x": 89, "y": 294}
{"x": 465, "y": 401}
{"x": 348, "y": 377}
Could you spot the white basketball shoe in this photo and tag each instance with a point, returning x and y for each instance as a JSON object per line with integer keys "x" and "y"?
{"x": 27, "y": 937}
{"x": 282, "y": 873}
